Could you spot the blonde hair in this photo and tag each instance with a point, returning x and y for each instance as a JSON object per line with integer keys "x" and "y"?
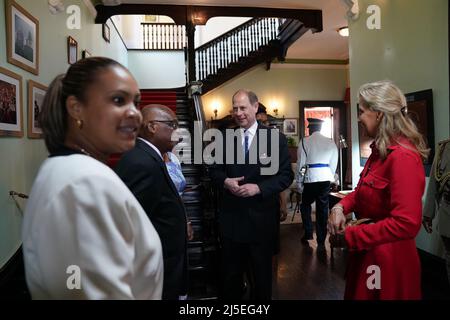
{"x": 386, "y": 97}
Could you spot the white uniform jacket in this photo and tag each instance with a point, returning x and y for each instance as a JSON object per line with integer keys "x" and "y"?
{"x": 320, "y": 150}
{"x": 85, "y": 236}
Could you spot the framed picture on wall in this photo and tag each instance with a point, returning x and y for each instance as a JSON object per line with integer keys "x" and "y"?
{"x": 22, "y": 33}
{"x": 72, "y": 50}
{"x": 85, "y": 54}
{"x": 36, "y": 93}
{"x": 420, "y": 111}
{"x": 290, "y": 126}
{"x": 11, "y": 124}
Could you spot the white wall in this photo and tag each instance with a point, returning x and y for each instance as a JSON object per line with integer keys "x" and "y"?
{"x": 157, "y": 69}
{"x": 215, "y": 27}
{"x": 411, "y": 48}
{"x": 20, "y": 158}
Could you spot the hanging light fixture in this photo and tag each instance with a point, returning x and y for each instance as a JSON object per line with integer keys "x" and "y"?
{"x": 343, "y": 31}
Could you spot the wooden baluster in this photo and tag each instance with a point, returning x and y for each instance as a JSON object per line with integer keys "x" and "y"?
{"x": 274, "y": 29}
{"x": 258, "y": 33}
{"x": 222, "y": 54}
{"x": 239, "y": 52}
{"x": 143, "y": 36}
{"x": 216, "y": 58}
{"x": 209, "y": 60}
{"x": 228, "y": 51}
{"x": 232, "y": 47}
{"x": 253, "y": 36}
{"x": 164, "y": 36}
{"x": 205, "y": 65}
{"x": 244, "y": 41}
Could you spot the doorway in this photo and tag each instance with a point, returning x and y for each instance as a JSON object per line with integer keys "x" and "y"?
{"x": 335, "y": 127}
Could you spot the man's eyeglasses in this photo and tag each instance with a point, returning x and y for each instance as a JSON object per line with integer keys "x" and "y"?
{"x": 171, "y": 123}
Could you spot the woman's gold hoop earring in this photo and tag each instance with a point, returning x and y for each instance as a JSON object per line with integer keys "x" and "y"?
{"x": 80, "y": 124}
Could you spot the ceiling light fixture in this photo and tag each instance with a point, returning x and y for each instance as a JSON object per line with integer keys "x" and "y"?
{"x": 343, "y": 31}
{"x": 55, "y": 6}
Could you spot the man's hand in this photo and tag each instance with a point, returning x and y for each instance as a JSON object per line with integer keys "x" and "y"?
{"x": 427, "y": 223}
{"x": 232, "y": 184}
{"x": 248, "y": 190}
{"x": 190, "y": 231}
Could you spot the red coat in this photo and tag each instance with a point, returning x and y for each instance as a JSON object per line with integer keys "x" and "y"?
{"x": 390, "y": 193}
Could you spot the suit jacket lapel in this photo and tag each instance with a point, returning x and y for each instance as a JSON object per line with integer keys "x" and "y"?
{"x": 161, "y": 163}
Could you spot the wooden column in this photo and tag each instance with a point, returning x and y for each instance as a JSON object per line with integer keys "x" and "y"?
{"x": 190, "y": 31}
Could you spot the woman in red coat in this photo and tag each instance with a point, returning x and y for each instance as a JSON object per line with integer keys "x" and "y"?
{"x": 383, "y": 261}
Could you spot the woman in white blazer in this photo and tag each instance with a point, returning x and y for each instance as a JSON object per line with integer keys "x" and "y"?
{"x": 85, "y": 236}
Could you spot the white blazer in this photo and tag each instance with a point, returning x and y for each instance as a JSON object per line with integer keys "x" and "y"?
{"x": 81, "y": 217}
{"x": 321, "y": 150}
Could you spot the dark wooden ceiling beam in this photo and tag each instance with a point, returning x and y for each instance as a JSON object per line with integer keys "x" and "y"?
{"x": 199, "y": 15}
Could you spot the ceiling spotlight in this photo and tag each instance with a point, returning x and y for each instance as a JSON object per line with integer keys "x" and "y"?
{"x": 343, "y": 31}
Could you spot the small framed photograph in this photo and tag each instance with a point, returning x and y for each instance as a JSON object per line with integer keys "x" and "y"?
{"x": 11, "y": 124}
{"x": 290, "y": 126}
{"x": 85, "y": 54}
{"x": 36, "y": 94}
{"x": 72, "y": 50}
{"x": 22, "y": 33}
{"x": 106, "y": 32}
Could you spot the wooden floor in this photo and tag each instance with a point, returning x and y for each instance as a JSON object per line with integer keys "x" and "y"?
{"x": 303, "y": 272}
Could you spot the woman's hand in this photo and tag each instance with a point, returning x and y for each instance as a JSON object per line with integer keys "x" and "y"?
{"x": 336, "y": 220}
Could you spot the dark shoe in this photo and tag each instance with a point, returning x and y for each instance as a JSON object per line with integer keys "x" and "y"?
{"x": 305, "y": 239}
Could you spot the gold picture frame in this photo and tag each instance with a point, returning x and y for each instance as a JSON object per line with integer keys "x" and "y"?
{"x": 72, "y": 50}
{"x": 11, "y": 111}
{"x": 36, "y": 93}
{"x": 22, "y": 37}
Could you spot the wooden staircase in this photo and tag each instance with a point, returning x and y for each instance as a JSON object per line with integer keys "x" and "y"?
{"x": 254, "y": 42}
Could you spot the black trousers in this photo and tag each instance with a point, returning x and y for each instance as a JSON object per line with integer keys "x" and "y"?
{"x": 447, "y": 254}
{"x": 255, "y": 259}
{"x": 315, "y": 192}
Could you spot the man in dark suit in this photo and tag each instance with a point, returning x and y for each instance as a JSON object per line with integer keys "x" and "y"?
{"x": 248, "y": 216}
{"x": 144, "y": 172}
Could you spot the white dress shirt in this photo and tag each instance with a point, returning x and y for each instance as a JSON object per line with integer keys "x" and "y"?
{"x": 250, "y": 133}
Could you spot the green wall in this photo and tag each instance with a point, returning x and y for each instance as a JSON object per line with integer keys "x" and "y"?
{"x": 411, "y": 48}
{"x": 20, "y": 158}
{"x": 283, "y": 85}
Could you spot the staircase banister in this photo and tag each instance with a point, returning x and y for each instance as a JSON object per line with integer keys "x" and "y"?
{"x": 227, "y": 34}
{"x": 160, "y": 24}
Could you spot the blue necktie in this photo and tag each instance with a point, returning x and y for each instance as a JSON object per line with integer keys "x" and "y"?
{"x": 245, "y": 142}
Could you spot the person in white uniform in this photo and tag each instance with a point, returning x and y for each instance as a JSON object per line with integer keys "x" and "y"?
{"x": 319, "y": 155}
{"x": 85, "y": 236}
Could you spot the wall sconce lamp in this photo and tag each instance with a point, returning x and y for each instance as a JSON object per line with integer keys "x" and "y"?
{"x": 275, "y": 111}
{"x": 343, "y": 32}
